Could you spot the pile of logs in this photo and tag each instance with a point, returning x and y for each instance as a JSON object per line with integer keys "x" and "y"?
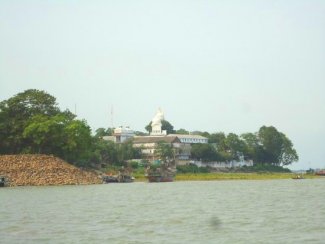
{"x": 40, "y": 170}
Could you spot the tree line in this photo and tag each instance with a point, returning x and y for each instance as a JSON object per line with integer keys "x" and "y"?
{"x": 266, "y": 146}
{"x": 31, "y": 122}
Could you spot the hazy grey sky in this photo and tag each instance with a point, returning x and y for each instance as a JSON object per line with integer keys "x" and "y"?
{"x": 230, "y": 66}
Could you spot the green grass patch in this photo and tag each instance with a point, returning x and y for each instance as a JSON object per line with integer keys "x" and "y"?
{"x": 236, "y": 176}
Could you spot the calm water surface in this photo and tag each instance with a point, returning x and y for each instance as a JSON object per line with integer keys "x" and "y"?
{"x": 272, "y": 211}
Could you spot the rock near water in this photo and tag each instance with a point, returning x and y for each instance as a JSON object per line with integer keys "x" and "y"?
{"x": 41, "y": 170}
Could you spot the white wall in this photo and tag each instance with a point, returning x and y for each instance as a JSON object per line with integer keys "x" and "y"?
{"x": 223, "y": 164}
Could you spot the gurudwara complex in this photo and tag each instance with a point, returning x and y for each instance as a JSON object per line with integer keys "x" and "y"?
{"x": 181, "y": 143}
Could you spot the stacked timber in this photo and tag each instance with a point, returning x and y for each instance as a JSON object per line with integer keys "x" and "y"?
{"x": 40, "y": 170}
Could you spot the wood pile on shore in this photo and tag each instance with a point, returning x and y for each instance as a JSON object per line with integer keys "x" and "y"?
{"x": 40, "y": 170}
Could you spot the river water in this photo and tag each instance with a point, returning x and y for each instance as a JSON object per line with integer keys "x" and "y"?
{"x": 271, "y": 211}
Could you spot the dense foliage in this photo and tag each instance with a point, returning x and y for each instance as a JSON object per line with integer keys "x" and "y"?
{"x": 267, "y": 146}
{"x": 164, "y": 152}
{"x": 31, "y": 122}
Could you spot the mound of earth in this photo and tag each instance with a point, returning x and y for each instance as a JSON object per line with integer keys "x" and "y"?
{"x": 40, "y": 170}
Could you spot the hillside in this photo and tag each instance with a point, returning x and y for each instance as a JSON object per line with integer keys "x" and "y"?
{"x": 40, "y": 170}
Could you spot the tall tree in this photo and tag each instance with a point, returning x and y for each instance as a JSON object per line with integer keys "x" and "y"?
{"x": 219, "y": 139}
{"x": 78, "y": 141}
{"x": 100, "y": 132}
{"x": 126, "y": 151}
{"x": 104, "y": 152}
{"x": 15, "y": 114}
{"x": 31, "y": 122}
{"x": 254, "y": 149}
{"x": 204, "y": 152}
{"x": 288, "y": 153}
{"x": 252, "y": 146}
{"x": 164, "y": 151}
{"x": 278, "y": 149}
{"x": 271, "y": 140}
{"x": 235, "y": 145}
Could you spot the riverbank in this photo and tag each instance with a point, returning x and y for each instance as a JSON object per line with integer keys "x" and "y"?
{"x": 231, "y": 176}
{"x": 43, "y": 170}
{"x": 238, "y": 176}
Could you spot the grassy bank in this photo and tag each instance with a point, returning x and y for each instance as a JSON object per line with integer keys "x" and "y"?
{"x": 234, "y": 176}
{"x": 230, "y": 176}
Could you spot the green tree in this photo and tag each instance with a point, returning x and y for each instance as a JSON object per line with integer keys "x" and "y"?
{"x": 204, "y": 152}
{"x": 234, "y": 145}
{"x": 182, "y": 132}
{"x": 29, "y": 103}
{"x": 104, "y": 152}
{"x": 278, "y": 149}
{"x": 45, "y": 134}
{"x": 252, "y": 146}
{"x": 31, "y": 122}
{"x": 165, "y": 125}
{"x": 288, "y": 153}
{"x": 250, "y": 139}
{"x": 126, "y": 151}
{"x": 15, "y": 114}
{"x": 164, "y": 151}
{"x": 78, "y": 142}
{"x": 271, "y": 141}
{"x": 59, "y": 135}
{"x": 201, "y": 133}
{"x": 108, "y": 153}
{"x": 219, "y": 139}
{"x": 100, "y": 132}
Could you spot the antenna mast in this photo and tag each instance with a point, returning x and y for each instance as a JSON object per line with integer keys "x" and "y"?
{"x": 112, "y": 116}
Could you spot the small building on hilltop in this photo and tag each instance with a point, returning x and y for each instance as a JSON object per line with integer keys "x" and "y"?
{"x": 120, "y": 135}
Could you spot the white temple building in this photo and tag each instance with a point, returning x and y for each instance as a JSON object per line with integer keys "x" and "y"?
{"x": 156, "y": 124}
{"x": 181, "y": 143}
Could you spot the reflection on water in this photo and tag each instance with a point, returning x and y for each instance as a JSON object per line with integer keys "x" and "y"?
{"x": 273, "y": 211}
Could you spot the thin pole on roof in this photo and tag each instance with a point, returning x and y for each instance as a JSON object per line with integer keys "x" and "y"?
{"x": 112, "y": 116}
